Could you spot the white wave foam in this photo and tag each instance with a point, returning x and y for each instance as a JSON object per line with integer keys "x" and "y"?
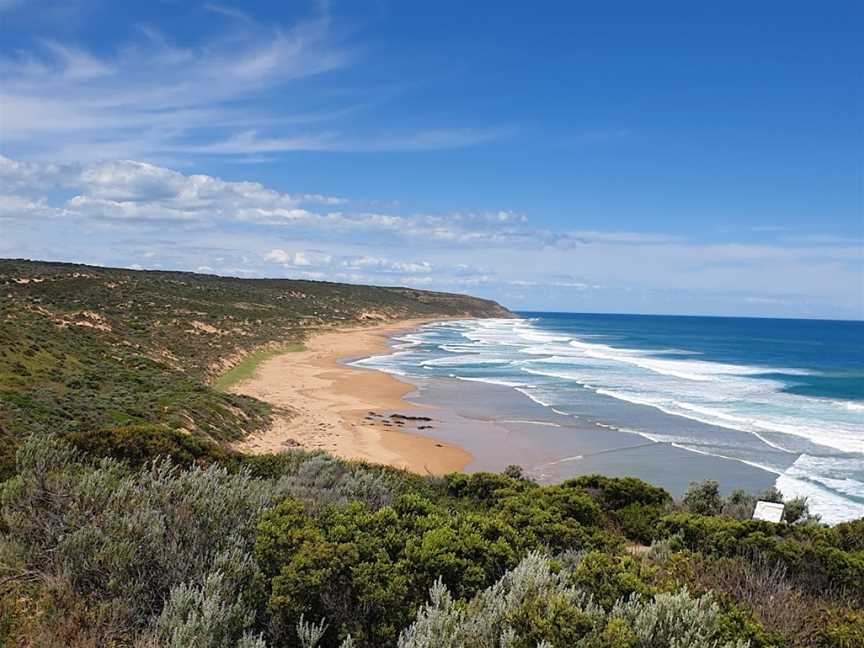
{"x": 832, "y": 507}
{"x": 453, "y": 348}
{"x": 462, "y": 360}
{"x": 489, "y": 381}
{"x": 772, "y": 410}
{"x": 534, "y": 398}
{"x": 698, "y": 370}
{"x": 852, "y": 406}
{"x": 543, "y": 423}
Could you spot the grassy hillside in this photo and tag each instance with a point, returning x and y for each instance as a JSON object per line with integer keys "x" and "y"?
{"x": 85, "y": 348}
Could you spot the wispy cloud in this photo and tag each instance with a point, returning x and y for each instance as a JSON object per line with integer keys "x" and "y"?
{"x": 229, "y": 12}
{"x": 252, "y": 142}
{"x": 155, "y": 98}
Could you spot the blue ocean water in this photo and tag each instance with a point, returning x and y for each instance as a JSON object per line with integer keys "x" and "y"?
{"x": 786, "y": 396}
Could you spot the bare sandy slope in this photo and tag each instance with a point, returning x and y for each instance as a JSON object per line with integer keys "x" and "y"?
{"x": 330, "y": 405}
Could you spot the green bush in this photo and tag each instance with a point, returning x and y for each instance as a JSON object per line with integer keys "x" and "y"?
{"x": 614, "y": 493}
{"x": 365, "y": 571}
{"x": 140, "y": 444}
{"x": 535, "y": 605}
{"x": 808, "y": 553}
{"x": 638, "y": 522}
{"x": 485, "y": 488}
{"x": 850, "y": 535}
{"x": 606, "y": 577}
{"x": 558, "y": 517}
{"x": 841, "y": 629}
{"x": 703, "y": 498}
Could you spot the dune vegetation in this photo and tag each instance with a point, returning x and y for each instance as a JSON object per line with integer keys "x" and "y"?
{"x": 126, "y": 519}
{"x": 84, "y": 349}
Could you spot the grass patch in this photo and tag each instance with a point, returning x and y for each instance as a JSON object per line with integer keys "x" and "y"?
{"x": 246, "y": 367}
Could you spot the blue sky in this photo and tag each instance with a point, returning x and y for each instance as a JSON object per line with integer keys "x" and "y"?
{"x": 670, "y": 157}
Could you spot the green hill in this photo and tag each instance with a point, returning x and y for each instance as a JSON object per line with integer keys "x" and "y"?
{"x": 85, "y": 348}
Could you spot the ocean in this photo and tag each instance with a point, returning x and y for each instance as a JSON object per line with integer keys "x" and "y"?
{"x": 781, "y": 396}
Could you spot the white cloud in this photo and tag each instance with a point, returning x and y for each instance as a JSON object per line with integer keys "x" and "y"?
{"x": 252, "y": 142}
{"x": 114, "y": 213}
{"x": 300, "y": 258}
{"x": 154, "y": 98}
{"x": 386, "y": 265}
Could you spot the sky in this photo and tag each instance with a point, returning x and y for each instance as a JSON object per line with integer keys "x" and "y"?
{"x": 621, "y": 157}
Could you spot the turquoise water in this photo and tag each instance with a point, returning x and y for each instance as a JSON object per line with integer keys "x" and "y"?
{"x": 786, "y": 396}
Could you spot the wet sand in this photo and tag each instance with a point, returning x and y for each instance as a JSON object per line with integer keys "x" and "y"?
{"x": 500, "y": 426}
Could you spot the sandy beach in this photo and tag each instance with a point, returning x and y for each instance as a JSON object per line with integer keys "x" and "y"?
{"x": 345, "y": 410}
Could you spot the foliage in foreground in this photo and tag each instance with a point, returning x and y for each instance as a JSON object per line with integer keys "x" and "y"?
{"x": 537, "y": 605}
{"x": 301, "y": 549}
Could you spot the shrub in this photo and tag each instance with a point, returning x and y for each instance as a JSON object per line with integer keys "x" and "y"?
{"x": 606, "y": 577}
{"x": 528, "y": 605}
{"x": 673, "y": 620}
{"x": 364, "y": 571}
{"x": 483, "y": 487}
{"x": 514, "y": 472}
{"x": 535, "y": 605}
{"x": 703, "y": 498}
{"x": 140, "y": 444}
{"x": 850, "y": 535}
{"x": 760, "y": 601}
{"x": 797, "y": 510}
{"x": 123, "y": 539}
{"x": 557, "y": 517}
{"x": 614, "y": 493}
{"x": 740, "y": 504}
{"x": 638, "y": 522}
{"x": 809, "y": 553}
{"x": 771, "y": 494}
{"x": 215, "y": 613}
{"x": 662, "y": 548}
{"x": 841, "y": 629}
{"x": 321, "y": 480}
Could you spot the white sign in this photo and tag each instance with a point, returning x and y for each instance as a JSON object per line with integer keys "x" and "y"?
{"x": 768, "y": 511}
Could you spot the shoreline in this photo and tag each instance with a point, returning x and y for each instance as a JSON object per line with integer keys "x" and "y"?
{"x": 503, "y": 426}
{"x": 348, "y": 411}
{"x": 468, "y": 426}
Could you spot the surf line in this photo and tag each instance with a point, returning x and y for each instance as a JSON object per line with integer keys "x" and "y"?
{"x": 600, "y": 452}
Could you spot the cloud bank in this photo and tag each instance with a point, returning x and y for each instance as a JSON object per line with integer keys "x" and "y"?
{"x": 135, "y": 213}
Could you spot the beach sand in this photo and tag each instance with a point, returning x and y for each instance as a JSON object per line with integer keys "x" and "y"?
{"x": 322, "y": 404}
